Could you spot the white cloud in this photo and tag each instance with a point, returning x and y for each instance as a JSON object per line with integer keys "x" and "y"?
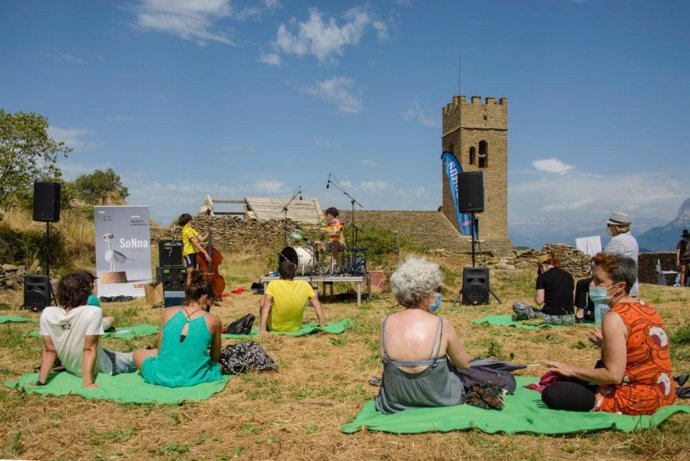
{"x": 324, "y": 38}
{"x": 271, "y": 59}
{"x": 189, "y": 20}
{"x": 338, "y": 91}
{"x": 415, "y": 112}
{"x": 255, "y": 11}
{"x": 551, "y": 165}
{"x": 566, "y": 206}
{"x": 269, "y": 186}
{"x": 575, "y": 196}
{"x": 65, "y": 57}
{"x": 73, "y": 137}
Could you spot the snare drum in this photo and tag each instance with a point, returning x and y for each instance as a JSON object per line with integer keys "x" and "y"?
{"x": 301, "y": 256}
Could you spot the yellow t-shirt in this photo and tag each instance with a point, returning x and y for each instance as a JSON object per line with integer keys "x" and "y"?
{"x": 289, "y": 299}
{"x": 187, "y": 233}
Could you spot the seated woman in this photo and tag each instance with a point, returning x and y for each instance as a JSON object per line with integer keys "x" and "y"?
{"x": 419, "y": 349}
{"x": 634, "y": 373}
{"x": 188, "y": 342}
{"x": 555, "y": 289}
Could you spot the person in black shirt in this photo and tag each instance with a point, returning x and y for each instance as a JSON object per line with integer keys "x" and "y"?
{"x": 683, "y": 256}
{"x": 554, "y": 294}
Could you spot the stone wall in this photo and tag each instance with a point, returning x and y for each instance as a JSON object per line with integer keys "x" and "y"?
{"x": 11, "y": 277}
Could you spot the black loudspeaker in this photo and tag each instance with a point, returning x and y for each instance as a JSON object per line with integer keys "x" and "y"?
{"x": 47, "y": 201}
{"x": 170, "y": 252}
{"x": 471, "y": 192}
{"x": 173, "y": 278}
{"x": 36, "y": 292}
{"x": 475, "y": 286}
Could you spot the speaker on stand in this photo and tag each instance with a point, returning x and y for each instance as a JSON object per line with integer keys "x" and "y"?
{"x": 475, "y": 280}
{"x": 46, "y": 208}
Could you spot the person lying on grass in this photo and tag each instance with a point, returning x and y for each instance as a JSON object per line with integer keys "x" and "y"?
{"x": 419, "y": 349}
{"x": 634, "y": 374}
{"x": 282, "y": 307}
{"x": 71, "y": 334}
{"x": 188, "y": 342}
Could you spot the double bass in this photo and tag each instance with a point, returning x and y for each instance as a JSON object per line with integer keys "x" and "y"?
{"x": 210, "y": 268}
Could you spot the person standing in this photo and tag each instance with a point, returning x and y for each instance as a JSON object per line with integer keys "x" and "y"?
{"x": 683, "y": 256}
{"x": 622, "y": 242}
{"x": 192, "y": 243}
{"x": 335, "y": 231}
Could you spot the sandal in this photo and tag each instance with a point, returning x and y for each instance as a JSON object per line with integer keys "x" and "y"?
{"x": 375, "y": 381}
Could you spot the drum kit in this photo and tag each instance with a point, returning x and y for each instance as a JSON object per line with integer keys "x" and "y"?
{"x": 310, "y": 261}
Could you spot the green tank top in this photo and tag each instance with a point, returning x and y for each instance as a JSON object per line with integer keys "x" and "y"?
{"x": 182, "y": 363}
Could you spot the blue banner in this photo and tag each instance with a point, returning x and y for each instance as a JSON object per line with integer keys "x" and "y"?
{"x": 453, "y": 169}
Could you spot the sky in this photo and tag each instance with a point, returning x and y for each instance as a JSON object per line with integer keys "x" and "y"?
{"x": 236, "y": 99}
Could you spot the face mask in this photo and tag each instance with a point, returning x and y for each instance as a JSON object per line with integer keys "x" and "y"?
{"x": 433, "y": 308}
{"x": 600, "y": 295}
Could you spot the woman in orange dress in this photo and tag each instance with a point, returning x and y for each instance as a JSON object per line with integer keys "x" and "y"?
{"x": 634, "y": 374}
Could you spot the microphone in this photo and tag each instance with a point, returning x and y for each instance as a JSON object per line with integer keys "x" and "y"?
{"x": 300, "y": 192}
{"x": 328, "y": 184}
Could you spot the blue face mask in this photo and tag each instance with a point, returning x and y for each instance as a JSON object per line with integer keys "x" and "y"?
{"x": 599, "y": 295}
{"x": 433, "y": 308}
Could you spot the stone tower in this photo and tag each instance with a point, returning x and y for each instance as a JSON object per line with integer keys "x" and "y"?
{"x": 477, "y": 133}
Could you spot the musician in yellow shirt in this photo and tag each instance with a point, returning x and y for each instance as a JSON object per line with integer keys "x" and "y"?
{"x": 192, "y": 243}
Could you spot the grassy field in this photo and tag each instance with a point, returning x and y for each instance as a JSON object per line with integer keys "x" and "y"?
{"x": 322, "y": 383}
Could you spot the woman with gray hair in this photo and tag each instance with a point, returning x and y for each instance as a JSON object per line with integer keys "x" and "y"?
{"x": 419, "y": 349}
{"x": 633, "y": 376}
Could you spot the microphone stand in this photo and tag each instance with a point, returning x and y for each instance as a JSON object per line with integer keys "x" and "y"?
{"x": 352, "y": 258}
{"x": 298, "y": 191}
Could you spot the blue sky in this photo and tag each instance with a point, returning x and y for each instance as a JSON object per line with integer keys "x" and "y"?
{"x": 255, "y": 98}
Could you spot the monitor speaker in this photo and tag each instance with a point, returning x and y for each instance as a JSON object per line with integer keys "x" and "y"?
{"x": 173, "y": 278}
{"x": 475, "y": 286}
{"x": 471, "y": 192}
{"x": 170, "y": 252}
{"x": 36, "y": 292}
{"x": 47, "y": 201}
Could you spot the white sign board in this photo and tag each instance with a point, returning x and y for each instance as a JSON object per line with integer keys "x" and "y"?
{"x": 123, "y": 250}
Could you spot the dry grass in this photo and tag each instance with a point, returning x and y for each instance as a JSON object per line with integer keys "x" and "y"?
{"x": 322, "y": 383}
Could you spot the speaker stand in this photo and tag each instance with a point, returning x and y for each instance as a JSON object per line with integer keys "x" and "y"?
{"x": 51, "y": 295}
{"x": 475, "y": 242}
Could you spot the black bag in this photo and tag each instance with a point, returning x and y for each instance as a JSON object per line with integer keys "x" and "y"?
{"x": 241, "y": 326}
{"x": 245, "y": 357}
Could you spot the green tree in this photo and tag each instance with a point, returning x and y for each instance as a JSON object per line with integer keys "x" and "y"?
{"x": 100, "y": 187}
{"x": 27, "y": 154}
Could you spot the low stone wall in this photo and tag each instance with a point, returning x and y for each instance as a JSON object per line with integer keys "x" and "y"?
{"x": 11, "y": 277}
{"x": 647, "y": 262}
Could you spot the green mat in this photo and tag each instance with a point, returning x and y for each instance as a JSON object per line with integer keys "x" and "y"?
{"x": 507, "y": 321}
{"x": 15, "y": 319}
{"x": 124, "y": 388}
{"x": 524, "y": 412}
{"x": 334, "y": 328}
{"x": 130, "y": 332}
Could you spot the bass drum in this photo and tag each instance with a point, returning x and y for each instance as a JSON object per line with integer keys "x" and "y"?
{"x": 302, "y": 257}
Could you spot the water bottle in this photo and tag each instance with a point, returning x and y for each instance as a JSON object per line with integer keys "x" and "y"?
{"x": 600, "y": 310}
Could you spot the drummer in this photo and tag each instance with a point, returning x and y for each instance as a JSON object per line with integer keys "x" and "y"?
{"x": 335, "y": 233}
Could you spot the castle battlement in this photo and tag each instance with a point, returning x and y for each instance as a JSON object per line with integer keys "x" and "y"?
{"x": 459, "y": 101}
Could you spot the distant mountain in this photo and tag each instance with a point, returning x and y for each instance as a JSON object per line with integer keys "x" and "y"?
{"x": 666, "y": 237}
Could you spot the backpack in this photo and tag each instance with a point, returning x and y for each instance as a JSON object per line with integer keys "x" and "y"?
{"x": 241, "y": 326}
